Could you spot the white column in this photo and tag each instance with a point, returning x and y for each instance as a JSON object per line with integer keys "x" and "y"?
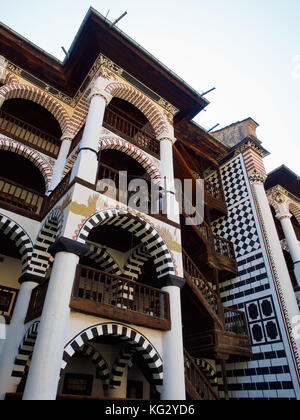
{"x": 173, "y": 357}
{"x": 86, "y": 165}
{"x": 15, "y": 335}
{"x": 276, "y": 254}
{"x": 167, "y": 175}
{"x": 60, "y": 163}
{"x": 289, "y": 233}
{"x": 44, "y": 373}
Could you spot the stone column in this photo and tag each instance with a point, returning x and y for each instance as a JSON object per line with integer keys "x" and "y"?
{"x": 173, "y": 357}
{"x": 86, "y": 165}
{"x": 274, "y": 250}
{"x": 284, "y": 216}
{"x": 60, "y": 163}
{"x": 16, "y": 333}
{"x": 44, "y": 373}
{"x": 167, "y": 175}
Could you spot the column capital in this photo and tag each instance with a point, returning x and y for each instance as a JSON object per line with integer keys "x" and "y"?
{"x": 172, "y": 280}
{"x": 167, "y": 138}
{"x": 67, "y": 137}
{"x": 97, "y": 89}
{"x": 63, "y": 244}
{"x": 257, "y": 177}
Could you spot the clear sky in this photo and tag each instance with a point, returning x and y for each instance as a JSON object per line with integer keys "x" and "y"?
{"x": 249, "y": 50}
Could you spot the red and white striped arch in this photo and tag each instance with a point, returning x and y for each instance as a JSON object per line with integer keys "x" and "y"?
{"x": 30, "y": 154}
{"x": 116, "y": 143}
{"x": 138, "y": 99}
{"x": 31, "y": 93}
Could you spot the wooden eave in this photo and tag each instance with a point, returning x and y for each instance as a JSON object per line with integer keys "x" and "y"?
{"x": 284, "y": 177}
{"x": 95, "y": 36}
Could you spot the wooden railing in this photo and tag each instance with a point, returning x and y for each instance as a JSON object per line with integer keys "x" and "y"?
{"x": 131, "y": 132}
{"x": 200, "y": 282}
{"x": 37, "y": 301}
{"x": 152, "y": 204}
{"x": 59, "y": 191}
{"x": 29, "y": 134}
{"x": 21, "y": 197}
{"x": 8, "y": 297}
{"x": 103, "y": 288}
{"x": 224, "y": 247}
{"x": 214, "y": 191}
{"x": 197, "y": 385}
{"x": 235, "y": 321}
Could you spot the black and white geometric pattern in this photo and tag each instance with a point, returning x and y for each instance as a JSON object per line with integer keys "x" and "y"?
{"x": 239, "y": 227}
{"x": 141, "y": 229}
{"x": 134, "y": 340}
{"x": 234, "y": 183}
{"x": 135, "y": 263}
{"x": 104, "y": 259}
{"x": 22, "y": 361}
{"x": 20, "y": 238}
{"x": 102, "y": 368}
{"x": 41, "y": 259}
{"x": 119, "y": 367}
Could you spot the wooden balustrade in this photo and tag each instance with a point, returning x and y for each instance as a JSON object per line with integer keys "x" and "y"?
{"x": 235, "y": 321}
{"x": 29, "y": 134}
{"x": 19, "y": 196}
{"x": 214, "y": 191}
{"x": 37, "y": 301}
{"x": 59, "y": 191}
{"x": 131, "y": 132}
{"x": 103, "y": 290}
{"x": 224, "y": 247}
{"x": 200, "y": 282}
{"x": 8, "y": 297}
{"x": 197, "y": 385}
{"x": 152, "y": 204}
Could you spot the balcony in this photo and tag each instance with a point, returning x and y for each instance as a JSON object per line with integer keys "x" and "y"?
{"x": 109, "y": 296}
{"x": 8, "y": 297}
{"x": 28, "y": 134}
{"x": 124, "y": 128}
{"x": 24, "y": 200}
{"x": 197, "y": 385}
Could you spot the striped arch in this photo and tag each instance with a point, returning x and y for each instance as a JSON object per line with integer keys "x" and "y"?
{"x": 116, "y": 143}
{"x": 30, "y": 154}
{"x": 295, "y": 210}
{"x": 140, "y": 228}
{"x": 80, "y": 114}
{"x": 23, "y": 359}
{"x": 119, "y": 367}
{"x": 31, "y": 93}
{"x": 89, "y": 351}
{"x": 144, "y": 104}
{"x": 22, "y": 241}
{"x": 135, "y": 341}
{"x": 41, "y": 259}
{"x": 104, "y": 259}
{"x": 208, "y": 371}
{"x": 135, "y": 262}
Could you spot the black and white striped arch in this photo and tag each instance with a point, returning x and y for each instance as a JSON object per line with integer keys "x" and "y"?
{"x": 147, "y": 234}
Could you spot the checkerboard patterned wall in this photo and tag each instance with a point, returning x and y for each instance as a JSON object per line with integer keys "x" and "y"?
{"x": 268, "y": 374}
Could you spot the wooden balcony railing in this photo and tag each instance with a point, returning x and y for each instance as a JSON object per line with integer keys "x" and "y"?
{"x": 153, "y": 205}
{"x": 214, "y": 191}
{"x": 224, "y": 247}
{"x": 8, "y": 297}
{"x": 37, "y": 301}
{"x": 235, "y": 321}
{"x": 131, "y": 132}
{"x": 104, "y": 294}
{"x": 22, "y": 197}
{"x": 204, "y": 290}
{"x": 29, "y": 134}
{"x": 197, "y": 385}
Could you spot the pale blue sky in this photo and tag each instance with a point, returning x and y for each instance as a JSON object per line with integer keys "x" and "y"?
{"x": 248, "y": 49}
